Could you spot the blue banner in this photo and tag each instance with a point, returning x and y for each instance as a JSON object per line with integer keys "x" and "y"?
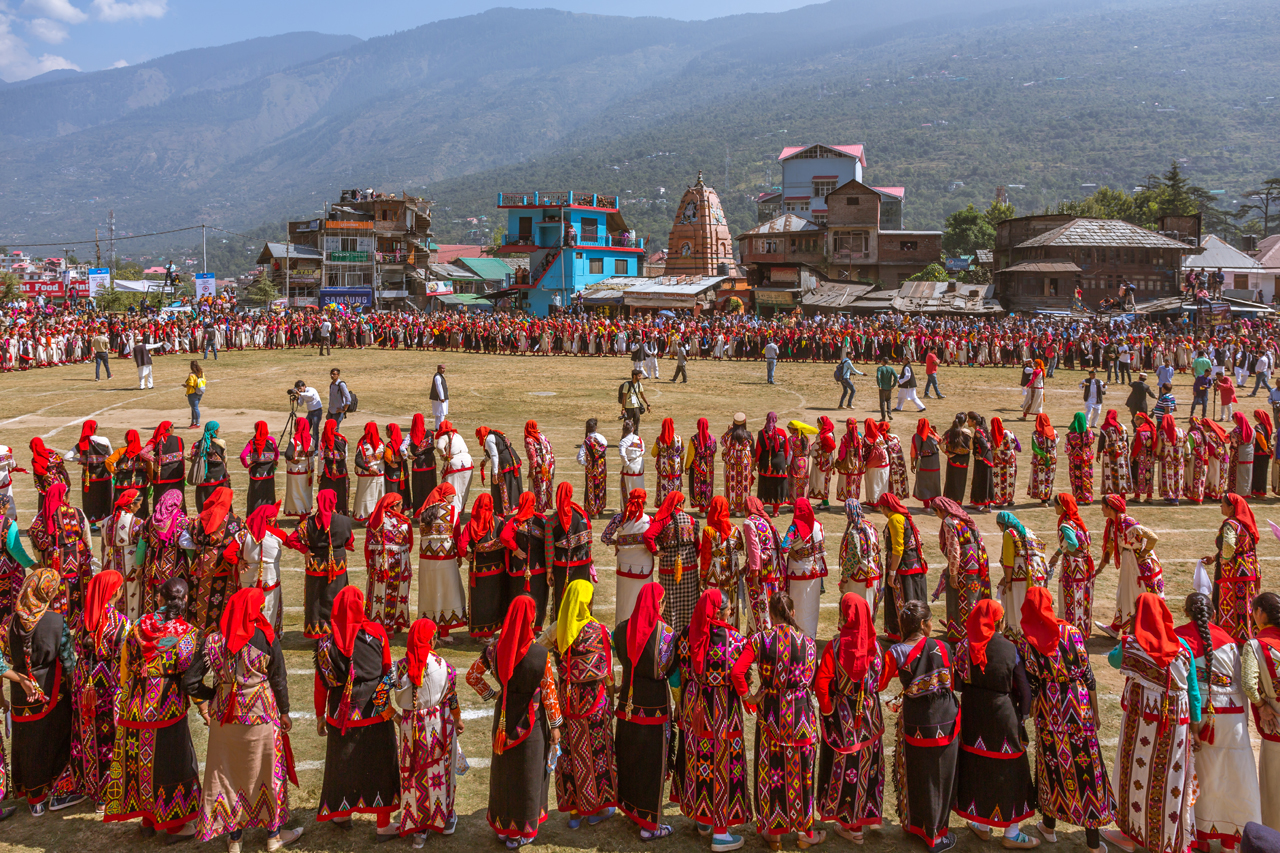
{"x": 347, "y": 296}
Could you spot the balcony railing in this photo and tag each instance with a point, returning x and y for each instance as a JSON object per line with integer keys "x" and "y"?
{"x": 393, "y": 257}
{"x": 848, "y": 257}
{"x": 616, "y": 241}
{"x": 557, "y": 199}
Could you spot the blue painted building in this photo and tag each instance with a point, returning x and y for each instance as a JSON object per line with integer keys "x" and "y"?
{"x": 573, "y": 240}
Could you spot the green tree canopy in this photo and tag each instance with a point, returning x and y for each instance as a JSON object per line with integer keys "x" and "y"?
{"x": 966, "y": 232}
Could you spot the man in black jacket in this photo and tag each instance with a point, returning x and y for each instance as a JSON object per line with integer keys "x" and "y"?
{"x": 1138, "y": 393}
{"x": 907, "y": 388}
{"x": 439, "y": 396}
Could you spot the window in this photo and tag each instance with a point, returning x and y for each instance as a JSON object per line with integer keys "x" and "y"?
{"x": 386, "y": 214}
{"x": 620, "y": 266}
{"x": 821, "y": 188}
{"x": 852, "y": 200}
{"x": 348, "y": 244}
{"x": 770, "y": 246}
{"x": 596, "y": 266}
{"x": 590, "y": 228}
{"x": 820, "y": 218}
{"x": 907, "y": 245}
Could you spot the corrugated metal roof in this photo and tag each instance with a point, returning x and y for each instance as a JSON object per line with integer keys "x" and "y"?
{"x": 945, "y": 297}
{"x": 1220, "y": 253}
{"x": 985, "y": 256}
{"x": 834, "y": 295}
{"x": 277, "y": 250}
{"x": 787, "y": 223}
{"x": 1043, "y": 266}
{"x": 685, "y": 285}
{"x": 1105, "y": 232}
{"x": 850, "y": 150}
{"x": 490, "y": 269}
{"x": 452, "y": 272}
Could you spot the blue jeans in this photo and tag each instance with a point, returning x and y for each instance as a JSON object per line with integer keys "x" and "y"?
{"x": 337, "y": 417}
{"x": 1260, "y": 379}
{"x": 193, "y": 400}
{"x": 848, "y": 391}
{"x": 1200, "y": 399}
{"x": 770, "y": 363}
{"x": 1052, "y": 366}
{"x": 1123, "y": 373}
{"x": 931, "y": 381}
{"x": 99, "y": 362}
{"x": 210, "y": 345}
{"x": 314, "y": 419}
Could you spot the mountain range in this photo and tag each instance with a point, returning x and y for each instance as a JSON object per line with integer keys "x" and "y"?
{"x": 949, "y": 101}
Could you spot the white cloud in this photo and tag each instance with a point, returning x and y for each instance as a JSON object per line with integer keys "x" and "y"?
{"x": 129, "y": 10}
{"x": 58, "y": 10}
{"x": 17, "y": 63}
{"x": 47, "y": 30}
{"x": 120, "y": 63}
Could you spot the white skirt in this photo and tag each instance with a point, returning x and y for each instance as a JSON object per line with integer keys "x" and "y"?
{"x": 628, "y": 592}
{"x": 869, "y": 591}
{"x": 1269, "y": 783}
{"x": 368, "y": 493}
{"x": 806, "y": 596}
{"x": 1225, "y": 771}
{"x": 461, "y": 482}
{"x": 441, "y": 596}
{"x": 297, "y": 494}
{"x": 1013, "y": 598}
{"x": 876, "y": 482}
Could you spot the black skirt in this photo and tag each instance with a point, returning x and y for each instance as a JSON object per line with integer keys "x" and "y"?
{"x": 486, "y": 607}
{"x": 981, "y": 484}
{"x": 261, "y": 493}
{"x": 318, "y": 596}
{"x": 422, "y": 484}
{"x": 361, "y": 772}
{"x": 98, "y": 501}
{"x": 642, "y": 751}
{"x": 42, "y": 750}
{"x": 339, "y": 487}
{"x": 910, "y": 588}
{"x": 1261, "y": 470}
{"x": 513, "y": 586}
{"x": 957, "y": 478}
{"x": 518, "y": 785}
{"x": 771, "y": 489}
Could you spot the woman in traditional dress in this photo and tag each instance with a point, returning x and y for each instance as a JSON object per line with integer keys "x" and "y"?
{"x": 737, "y": 452}
{"x": 1080, "y": 459}
{"x": 388, "y": 555}
{"x": 1170, "y": 450}
{"x": 120, "y": 537}
{"x": 261, "y": 544}
{"x": 710, "y": 781}
{"x": 763, "y": 571}
{"x": 980, "y": 492}
{"x": 968, "y": 575}
{"x": 804, "y": 548}
{"x": 1075, "y": 584}
{"x": 570, "y": 533}
{"x": 1218, "y": 471}
{"x": 260, "y": 456}
{"x": 37, "y": 643}
{"x": 60, "y": 535}
{"x": 631, "y": 452}
{"x": 1033, "y": 404}
{"x": 798, "y": 462}
{"x": 421, "y": 457}
{"x": 875, "y": 463}
{"x": 897, "y": 462}
{"x": 524, "y": 533}
{"x": 154, "y": 774}
{"x": 593, "y": 457}
{"x": 526, "y": 725}
{"x": 164, "y": 556}
{"x": 441, "y": 596}
{"x": 925, "y": 462}
{"x": 851, "y": 757}
{"x": 246, "y": 771}
{"x": 772, "y": 463}
{"x": 1004, "y": 449}
{"x": 860, "y": 556}
{"x": 47, "y": 467}
{"x": 625, "y": 533}
{"x": 324, "y": 538}
{"x": 481, "y": 546}
{"x": 1260, "y": 679}
{"x": 1193, "y": 488}
{"x": 994, "y": 770}
{"x": 586, "y": 777}
{"x": 849, "y": 462}
{"x": 370, "y": 464}
{"x": 92, "y": 452}
{"x": 957, "y": 445}
{"x": 1239, "y": 480}
{"x": 822, "y": 457}
{"x": 927, "y": 743}
{"x": 1263, "y": 434}
{"x": 1132, "y": 546}
{"x": 646, "y": 648}
{"x": 1071, "y": 776}
{"x": 668, "y": 460}
{"x": 1226, "y": 773}
{"x": 1160, "y": 706}
{"x": 95, "y": 684}
{"x": 130, "y": 469}
{"x": 299, "y": 470}
{"x": 1113, "y": 454}
{"x": 395, "y": 464}
{"x": 542, "y": 466}
{"x": 905, "y": 570}
{"x": 1023, "y": 560}
{"x": 430, "y": 721}
{"x": 1235, "y": 575}
{"x": 786, "y": 738}
{"x": 354, "y": 682}
{"x": 333, "y": 473}
{"x": 215, "y": 529}
{"x": 209, "y": 453}
{"x": 14, "y": 560}
{"x": 700, "y": 460}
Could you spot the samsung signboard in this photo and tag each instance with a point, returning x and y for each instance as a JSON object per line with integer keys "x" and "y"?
{"x": 347, "y": 296}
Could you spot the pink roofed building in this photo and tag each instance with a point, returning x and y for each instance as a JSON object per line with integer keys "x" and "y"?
{"x": 809, "y": 172}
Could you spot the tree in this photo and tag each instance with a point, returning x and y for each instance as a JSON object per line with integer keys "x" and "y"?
{"x": 1175, "y": 198}
{"x": 1266, "y": 195}
{"x": 12, "y": 288}
{"x": 263, "y": 290}
{"x": 966, "y": 231}
{"x": 998, "y": 212}
{"x": 933, "y": 272}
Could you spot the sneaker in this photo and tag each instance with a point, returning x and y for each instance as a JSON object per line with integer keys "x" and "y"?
{"x": 451, "y": 825}
{"x": 283, "y": 838}
{"x": 57, "y": 804}
{"x": 233, "y": 845}
{"x": 38, "y": 810}
{"x": 602, "y": 816}
{"x": 725, "y": 843}
{"x": 419, "y": 840}
{"x": 946, "y": 842}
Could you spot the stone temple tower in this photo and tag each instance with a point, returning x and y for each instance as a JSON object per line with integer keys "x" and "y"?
{"x": 700, "y": 242}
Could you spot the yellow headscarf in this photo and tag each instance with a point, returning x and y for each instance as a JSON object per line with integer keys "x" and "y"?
{"x": 38, "y": 591}
{"x": 574, "y": 613}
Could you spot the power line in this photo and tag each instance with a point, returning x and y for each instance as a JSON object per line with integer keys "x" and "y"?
{"x": 68, "y": 243}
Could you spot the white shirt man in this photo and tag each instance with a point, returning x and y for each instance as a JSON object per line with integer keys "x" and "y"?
{"x": 1094, "y": 392}
{"x": 651, "y": 360}
{"x": 439, "y": 396}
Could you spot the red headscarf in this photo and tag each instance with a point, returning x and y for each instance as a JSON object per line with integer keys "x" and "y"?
{"x": 826, "y": 434}
{"x": 395, "y": 437}
{"x": 1216, "y": 428}
{"x": 565, "y": 505}
{"x": 526, "y": 507}
{"x": 102, "y": 588}
{"x": 1169, "y": 428}
{"x": 482, "y": 433}
{"x": 326, "y": 502}
{"x": 418, "y": 429}
{"x": 126, "y": 497}
{"x": 260, "y": 436}
{"x": 243, "y": 617}
{"x": 980, "y": 627}
{"x": 1153, "y": 629}
{"x": 755, "y": 506}
{"x": 259, "y": 521}
{"x": 802, "y": 518}
{"x": 850, "y": 441}
{"x": 422, "y": 635}
{"x": 371, "y": 435}
{"x": 445, "y": 492}
{"x": 1044, "y": 427}
{"x": 705, "y": 614}
{"x": 445, "y": 427}
{"x": 1243, "y": 513}
{"x": 531, "y": 430}
{"x": 718, "y": 516}
{"x": 1264, "y": 420}
{"x": 925, "y": 430}
{"x": 1117, "y": 503}
{"x": 40, "y": 457}
{"x": 328, "y": 435}
{"x": 55, "y": 497}
{"x": 1144, "y": 433}
{"x": 871, "y": 431}
{"x": 704, "y": 438}
{"x": 997, "y": 432}
{"x": 87, "y": 429}
{"x": 1040, "y": 624}
{"x": 481, "y": 517}
{"x": 668, "y": 432}
{"x": 387, "y": 504}
{"x": 303, "y": 435}
{"x": 1246, "y": 430}
{"x": 1111, "y": 421}
{"x": 636, "y": 499}
{"x": 161, "y": 433}
{"x": 516, "y": 637}
{"x": 644, "y": 618}
{"x": 1069, "y": 510}
{"x": 132, "y": 444}
{"x": 215, "y": 509}
{"x": 857, "y": 635}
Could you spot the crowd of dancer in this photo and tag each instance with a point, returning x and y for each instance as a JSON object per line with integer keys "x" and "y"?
{"x": 107, "y": 646}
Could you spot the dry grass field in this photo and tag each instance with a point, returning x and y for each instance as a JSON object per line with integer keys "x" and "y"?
{"x": 560, "y": 393}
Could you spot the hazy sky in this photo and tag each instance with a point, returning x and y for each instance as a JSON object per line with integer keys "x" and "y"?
{"x": 42, "y": 35}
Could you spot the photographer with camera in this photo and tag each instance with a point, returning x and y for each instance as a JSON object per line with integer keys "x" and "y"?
{"x": 301, "y": 392}
{"x": 632, "y": 399}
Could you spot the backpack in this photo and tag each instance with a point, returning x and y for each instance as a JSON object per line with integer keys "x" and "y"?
{"x": 622, "y": 393}
{"x": 199, "y": 469}
{"x": 355, "y": 401}
{"x": 839, "y": 372}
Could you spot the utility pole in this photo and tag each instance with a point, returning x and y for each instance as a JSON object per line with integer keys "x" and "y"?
{"x": 111, "y": 219}
{"x": 204, "y": 250}
{"x": 97, "y": 249}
